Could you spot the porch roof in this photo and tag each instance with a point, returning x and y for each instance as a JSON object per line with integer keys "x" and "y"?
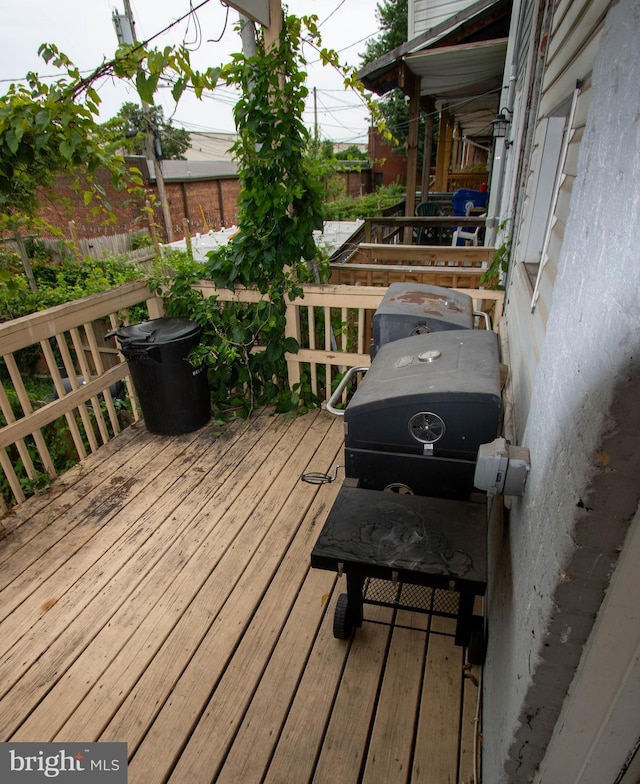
{"x": 460, "y": 64}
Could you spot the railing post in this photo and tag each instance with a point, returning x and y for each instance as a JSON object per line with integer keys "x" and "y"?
{"x": 155, "y": 306}
{"x": 292, "y": 330}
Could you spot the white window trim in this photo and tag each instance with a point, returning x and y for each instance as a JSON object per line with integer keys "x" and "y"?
{"x": 560, "y": 178}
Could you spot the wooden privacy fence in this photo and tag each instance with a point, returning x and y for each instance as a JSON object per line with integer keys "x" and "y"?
{"x": 332, "y": 325}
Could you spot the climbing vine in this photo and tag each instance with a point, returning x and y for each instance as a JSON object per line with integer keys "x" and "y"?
{"x": 280, "y": 207}
{"x": 48, "y": 129}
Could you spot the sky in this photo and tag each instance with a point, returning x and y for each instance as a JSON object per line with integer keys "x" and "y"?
{"x": 84, "y": 31}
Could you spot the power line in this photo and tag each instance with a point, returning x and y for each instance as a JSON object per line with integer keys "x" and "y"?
{"x": 337, "y": 8}
{"x": 103, "y": 69}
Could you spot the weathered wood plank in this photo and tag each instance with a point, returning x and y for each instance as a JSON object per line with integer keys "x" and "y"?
{"x": 159, "y": 605}
{"x": 191, "y": 627}
{"x": 436, "y": 756}
{"x": 226, "y": 712}
{"x": 28, "y": 520}
{"x": 45, "y": 324}
{"x": 470, "y": 732}
{"x": 54, "y": 608}
{"x": 209, "y": 666}
{"x": 301, "y": 737}
{"x": 164, "y": 539}
{"x": 344, "y": 746}
{"x": 391, "y": 745}
{"x": 31, "y": 566}
{"x": 423, "y": 254}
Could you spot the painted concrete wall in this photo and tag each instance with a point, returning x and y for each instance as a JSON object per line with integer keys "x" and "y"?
{"x": 552, "y": 562}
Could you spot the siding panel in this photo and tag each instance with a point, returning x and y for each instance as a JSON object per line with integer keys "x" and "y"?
{"x": 425, "y": 14}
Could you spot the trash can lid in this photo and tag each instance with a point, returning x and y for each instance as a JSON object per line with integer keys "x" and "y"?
{"x": 157, "y": 331}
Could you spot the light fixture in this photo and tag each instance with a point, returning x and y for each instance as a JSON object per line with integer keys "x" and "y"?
{"x": 500, "y": 125}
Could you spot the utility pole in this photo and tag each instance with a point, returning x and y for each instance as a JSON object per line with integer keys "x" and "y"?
{"x": 126, "y": 31}
{"x": 315, "y": 115}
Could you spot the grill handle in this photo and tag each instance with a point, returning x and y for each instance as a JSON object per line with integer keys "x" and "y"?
{"x": 485, "y": 316}
{"x": 331, "y": 403}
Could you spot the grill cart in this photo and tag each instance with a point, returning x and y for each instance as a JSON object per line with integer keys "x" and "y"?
{"x": 406, "y": 551}
{"x": 408, "y": 528}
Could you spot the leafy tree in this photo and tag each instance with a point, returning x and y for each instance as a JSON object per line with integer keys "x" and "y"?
{"x": 44, "y": 131}
{"x": 49, "y": 129}
{"x": 392, "y": 17}
{"x": 130, "y": 127}
{"x": 281, "y": 171}
{"x": 352, "y": 153}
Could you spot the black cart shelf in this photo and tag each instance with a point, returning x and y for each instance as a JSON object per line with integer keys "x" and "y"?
{"x": 406, "y": 551}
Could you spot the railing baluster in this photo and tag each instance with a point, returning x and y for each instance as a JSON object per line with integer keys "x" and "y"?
{"x": 23, "y": 452}
{"x": 97, "y": 361}
{"x": 312, "y": 346}
{"x": 59, "y": 386}
{"x": 12, "y": 479}
{"x": 23, "y": 397}
{"x": 73, "y": 380}
{"x": 86, "y": 372}
{"x": 133, "y": 400}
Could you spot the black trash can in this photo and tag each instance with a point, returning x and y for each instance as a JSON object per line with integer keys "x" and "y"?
{"x": 173, "y": 394}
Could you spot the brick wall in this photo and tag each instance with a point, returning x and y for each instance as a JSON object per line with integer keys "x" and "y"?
{"x": 389, "y": 165}
{"x": 63, "y": 204}
{"x": 207, "y": 204}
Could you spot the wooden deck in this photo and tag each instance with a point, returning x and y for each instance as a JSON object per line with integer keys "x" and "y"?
{"x": 161, "y": 595}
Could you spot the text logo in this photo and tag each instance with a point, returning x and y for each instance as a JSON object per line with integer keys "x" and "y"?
{"x": 64, "y": 763}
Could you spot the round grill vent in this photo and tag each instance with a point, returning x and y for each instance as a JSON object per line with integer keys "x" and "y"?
{"x": 426, "y": 427}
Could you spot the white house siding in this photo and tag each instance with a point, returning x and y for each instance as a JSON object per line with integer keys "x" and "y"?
{"x": 575, "y": 362}
{"x": 568, "y": 60}
{"x": 425, "y": 14}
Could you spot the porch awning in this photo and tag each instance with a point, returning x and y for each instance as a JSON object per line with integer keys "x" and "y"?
{"x": 463, "y": 71}
{"x": 464, "y": 78}
{"x": 460, "y": 64}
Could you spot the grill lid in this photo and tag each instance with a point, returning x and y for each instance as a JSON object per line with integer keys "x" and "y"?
{"x": 435, "y": 394}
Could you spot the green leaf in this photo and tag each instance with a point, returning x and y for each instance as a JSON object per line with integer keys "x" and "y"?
{"x": 146, "y": 86}
{"x": 67, "y": 149}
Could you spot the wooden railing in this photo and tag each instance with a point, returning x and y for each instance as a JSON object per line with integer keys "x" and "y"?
{"x": 332, "y": 325}
{"x": 376, "y": 264}
{"x": 66, "y": 337}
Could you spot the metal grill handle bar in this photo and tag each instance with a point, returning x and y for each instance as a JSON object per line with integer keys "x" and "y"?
{"x": 331, "y": 403}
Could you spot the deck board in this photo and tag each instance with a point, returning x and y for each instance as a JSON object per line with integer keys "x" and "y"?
{"x": 162, "y": 595}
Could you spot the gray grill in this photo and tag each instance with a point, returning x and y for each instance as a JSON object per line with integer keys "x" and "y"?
{"x": 421, "y": 412}
{"x": 409, "y": 309}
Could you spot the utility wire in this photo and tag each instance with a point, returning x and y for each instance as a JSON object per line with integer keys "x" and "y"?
{"x": 337, "y": 8}
{"x": 103, "y": 69}
{"x": 224, "y": 27}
